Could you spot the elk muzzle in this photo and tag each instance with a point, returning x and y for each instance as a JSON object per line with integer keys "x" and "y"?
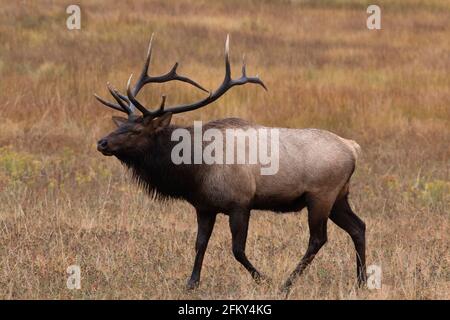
{"x": 102, "y": 146}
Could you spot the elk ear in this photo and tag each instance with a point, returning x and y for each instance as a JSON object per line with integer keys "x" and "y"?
{"x": 119, "y": 120}
{"x": 159, "y": 123}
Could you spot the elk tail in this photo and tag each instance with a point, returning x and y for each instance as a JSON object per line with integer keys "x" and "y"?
{"x": 354, "y": 147}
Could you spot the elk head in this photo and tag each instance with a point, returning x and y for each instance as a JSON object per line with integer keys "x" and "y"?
{"x": 136, "y": 133}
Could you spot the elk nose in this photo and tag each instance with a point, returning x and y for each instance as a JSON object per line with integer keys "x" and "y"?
{"x": 101, "y": 144}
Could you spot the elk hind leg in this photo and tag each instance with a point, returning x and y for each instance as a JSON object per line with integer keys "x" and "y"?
{"x": 343, "y": 216}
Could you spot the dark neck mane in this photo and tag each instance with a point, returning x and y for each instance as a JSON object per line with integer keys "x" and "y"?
{"x": 155, "y": 172}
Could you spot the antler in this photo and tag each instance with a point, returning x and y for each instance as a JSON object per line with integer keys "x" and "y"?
{"x": 124, "y": 104}
{"x": 131, "y": 100}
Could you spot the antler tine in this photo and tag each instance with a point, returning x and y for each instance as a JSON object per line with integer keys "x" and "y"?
{"x": 227, "y": 60}
{"x": 244, "y": 79}
{"x": 173, "y": 75}
{"x": 163, "y": 103}
{"x": 109, "y": 104}
{"x": 143, "y": 78}
{"x": 244, "y": 73}
{"x": 123, "y": 97}
{"x": 133, "y": 100}
{"x": 118, "y": 98}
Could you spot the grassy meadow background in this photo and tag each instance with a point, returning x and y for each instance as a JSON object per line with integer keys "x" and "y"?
{"x": 63, "y": 203}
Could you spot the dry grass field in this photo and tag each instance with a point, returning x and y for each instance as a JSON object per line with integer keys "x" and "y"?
{"x": 63, "y": 203}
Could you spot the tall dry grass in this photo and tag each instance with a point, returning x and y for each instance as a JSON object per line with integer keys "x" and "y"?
{"x": 62, "y": 203}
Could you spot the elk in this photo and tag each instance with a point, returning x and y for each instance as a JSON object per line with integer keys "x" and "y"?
{"x": 315, "y": 167}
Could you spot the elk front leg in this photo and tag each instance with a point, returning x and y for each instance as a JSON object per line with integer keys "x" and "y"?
{"x": 239, "y": 227}
{"x": 205, "y": 222}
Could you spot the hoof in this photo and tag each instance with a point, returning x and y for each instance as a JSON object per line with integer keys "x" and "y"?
{"x": 286, "y": 287}
{"x": 285, "y": 290}
{"x": 192, "y": 285}
{"x": 362, "y": 284}
{"x": 261, "y": 279}
{"x": 258, "y": 277}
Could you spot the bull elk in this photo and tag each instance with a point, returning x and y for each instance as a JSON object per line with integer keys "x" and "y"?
{"x": 315, "y": 167}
